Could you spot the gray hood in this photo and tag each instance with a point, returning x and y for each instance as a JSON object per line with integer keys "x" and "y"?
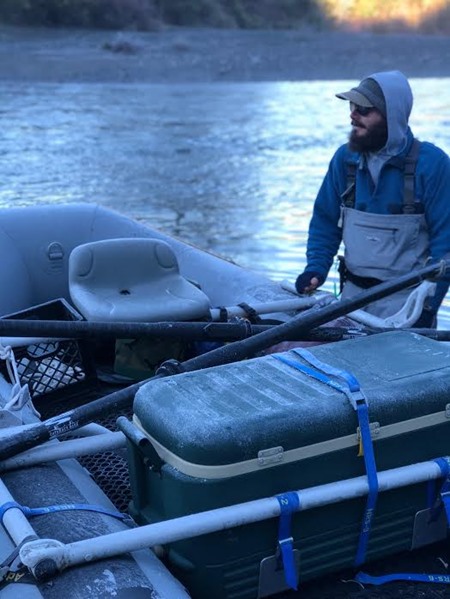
{"x": 399, "y": 100}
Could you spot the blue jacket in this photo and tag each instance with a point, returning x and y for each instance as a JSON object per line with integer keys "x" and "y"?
{"x": 432, "y": 188}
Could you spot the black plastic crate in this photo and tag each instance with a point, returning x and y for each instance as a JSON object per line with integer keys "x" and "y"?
{"x": 53, "y": 369}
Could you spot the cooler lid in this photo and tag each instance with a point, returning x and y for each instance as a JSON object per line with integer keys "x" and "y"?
{"x": 249, "y": 411}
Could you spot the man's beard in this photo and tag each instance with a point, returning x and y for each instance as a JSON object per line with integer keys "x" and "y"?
{"x": 374, "y": 139}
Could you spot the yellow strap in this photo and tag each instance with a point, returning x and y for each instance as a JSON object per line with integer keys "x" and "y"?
{"x": 360, "y": 448}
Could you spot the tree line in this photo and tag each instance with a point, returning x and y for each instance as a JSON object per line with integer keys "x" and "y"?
{"x": 152, "y": 14}
{"x": 430, "y": 16}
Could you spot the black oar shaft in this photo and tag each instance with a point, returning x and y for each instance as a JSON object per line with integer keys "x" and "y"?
{"x": 238, "y": 350}
{"x": 192, "y": 331}
{"x": 128, "y": 330}
{"x": 331, "y": 334}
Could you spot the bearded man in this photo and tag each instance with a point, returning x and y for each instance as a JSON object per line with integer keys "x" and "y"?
{"x": 386, "y": 196}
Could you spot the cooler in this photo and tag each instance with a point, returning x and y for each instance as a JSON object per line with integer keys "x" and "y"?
{"x": 261, "y": 427}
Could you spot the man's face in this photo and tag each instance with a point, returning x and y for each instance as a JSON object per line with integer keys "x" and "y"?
{"x": 369, "y": 130}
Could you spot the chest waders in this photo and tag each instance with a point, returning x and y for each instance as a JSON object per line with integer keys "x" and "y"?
{"x": 381, "y": 247}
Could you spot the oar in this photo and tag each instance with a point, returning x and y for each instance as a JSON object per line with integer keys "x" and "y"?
{"x": 284, "y": 305}
{"x": 69, "y": 421}
{"x": 332, "y": 334}
{"x": 191, "y": 331}
{"x": 127, "y": 330}
{"x": 176, "y": 330}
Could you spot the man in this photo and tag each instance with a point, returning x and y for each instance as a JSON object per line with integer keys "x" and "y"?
{"x": 386, "y": 195}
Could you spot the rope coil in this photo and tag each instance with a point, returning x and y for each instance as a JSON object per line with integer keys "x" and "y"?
{"x": 20, "y": 394}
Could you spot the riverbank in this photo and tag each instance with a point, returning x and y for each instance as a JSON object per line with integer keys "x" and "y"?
{"x": 181, "y": 55}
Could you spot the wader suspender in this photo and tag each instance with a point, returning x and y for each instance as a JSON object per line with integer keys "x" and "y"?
{"x": 409, "y": 169}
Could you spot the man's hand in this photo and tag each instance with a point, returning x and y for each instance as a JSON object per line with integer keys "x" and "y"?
{"x": 308, "y": 282}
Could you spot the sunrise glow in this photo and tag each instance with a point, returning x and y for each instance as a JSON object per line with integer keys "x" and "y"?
{"x": 387, "y": 13}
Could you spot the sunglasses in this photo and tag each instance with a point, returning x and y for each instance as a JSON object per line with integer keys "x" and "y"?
{"x": 362, "y": 110}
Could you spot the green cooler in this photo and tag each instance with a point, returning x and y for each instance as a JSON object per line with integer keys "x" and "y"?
{"x": 263, "y": 427}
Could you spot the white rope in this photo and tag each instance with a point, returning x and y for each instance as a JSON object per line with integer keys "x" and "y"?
{"x": 404, "y": 318}
{"x": 20, "y": 394}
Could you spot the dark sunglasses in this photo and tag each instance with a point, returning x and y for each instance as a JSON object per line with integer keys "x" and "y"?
{"x": 362, "y": 110}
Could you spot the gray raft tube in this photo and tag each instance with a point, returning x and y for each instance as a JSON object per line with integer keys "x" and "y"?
{"x": 67, "y": 482}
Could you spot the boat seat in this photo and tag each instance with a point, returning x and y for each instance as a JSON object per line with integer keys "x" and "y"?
{"x": 132, "y": 280}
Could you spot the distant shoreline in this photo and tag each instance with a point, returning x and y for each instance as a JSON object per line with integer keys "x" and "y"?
{"x": 183, "y": 55}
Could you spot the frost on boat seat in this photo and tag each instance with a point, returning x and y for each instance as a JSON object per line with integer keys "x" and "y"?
{"x": 134, "y": 280}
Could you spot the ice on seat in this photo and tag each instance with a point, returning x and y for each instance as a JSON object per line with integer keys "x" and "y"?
{"x": 132, "y": 280}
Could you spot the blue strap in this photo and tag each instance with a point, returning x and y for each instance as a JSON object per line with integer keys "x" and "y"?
{"x": 372, "y": 479}
{"x": 431, "y": 495}
{"x": 352, "y": 390}
{"x": 351, "y": 381}
{"x": 289, "y": 503}
{"x": 39, "y": 511}
{"x": 444, "y": 465}
{"x": 379, "y": 580}
{"x": 362, "y": 577}
{"x": 351, "y": 387}
{"x": 434, "y": 500}
{"x": 310, "y": 372}
{"x": 444, "y": 493}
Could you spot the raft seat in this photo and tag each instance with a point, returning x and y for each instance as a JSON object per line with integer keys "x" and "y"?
{"x": 132, "y": 280}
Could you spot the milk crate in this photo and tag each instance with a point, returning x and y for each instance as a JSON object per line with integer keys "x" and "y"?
{"x": 52, "y": 368}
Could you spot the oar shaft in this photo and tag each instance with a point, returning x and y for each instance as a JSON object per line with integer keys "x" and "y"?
{"x": 176, "y": 330}
{"x": 331, "y": 334}
{"x": 192, "y": 331}
{"x": 128, "y": 330}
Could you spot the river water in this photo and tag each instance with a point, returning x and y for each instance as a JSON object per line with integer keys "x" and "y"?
{"x": 232, "y": 168}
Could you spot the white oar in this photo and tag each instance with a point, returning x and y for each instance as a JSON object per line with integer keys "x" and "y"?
{"x": 287, "y": 305}
{"x": 62, "y": 556}
{"x": 74, "y": 448}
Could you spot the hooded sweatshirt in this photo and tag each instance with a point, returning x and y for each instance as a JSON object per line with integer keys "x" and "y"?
{"x": 399, "y": 100}
{"x": 380, "y": 182}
